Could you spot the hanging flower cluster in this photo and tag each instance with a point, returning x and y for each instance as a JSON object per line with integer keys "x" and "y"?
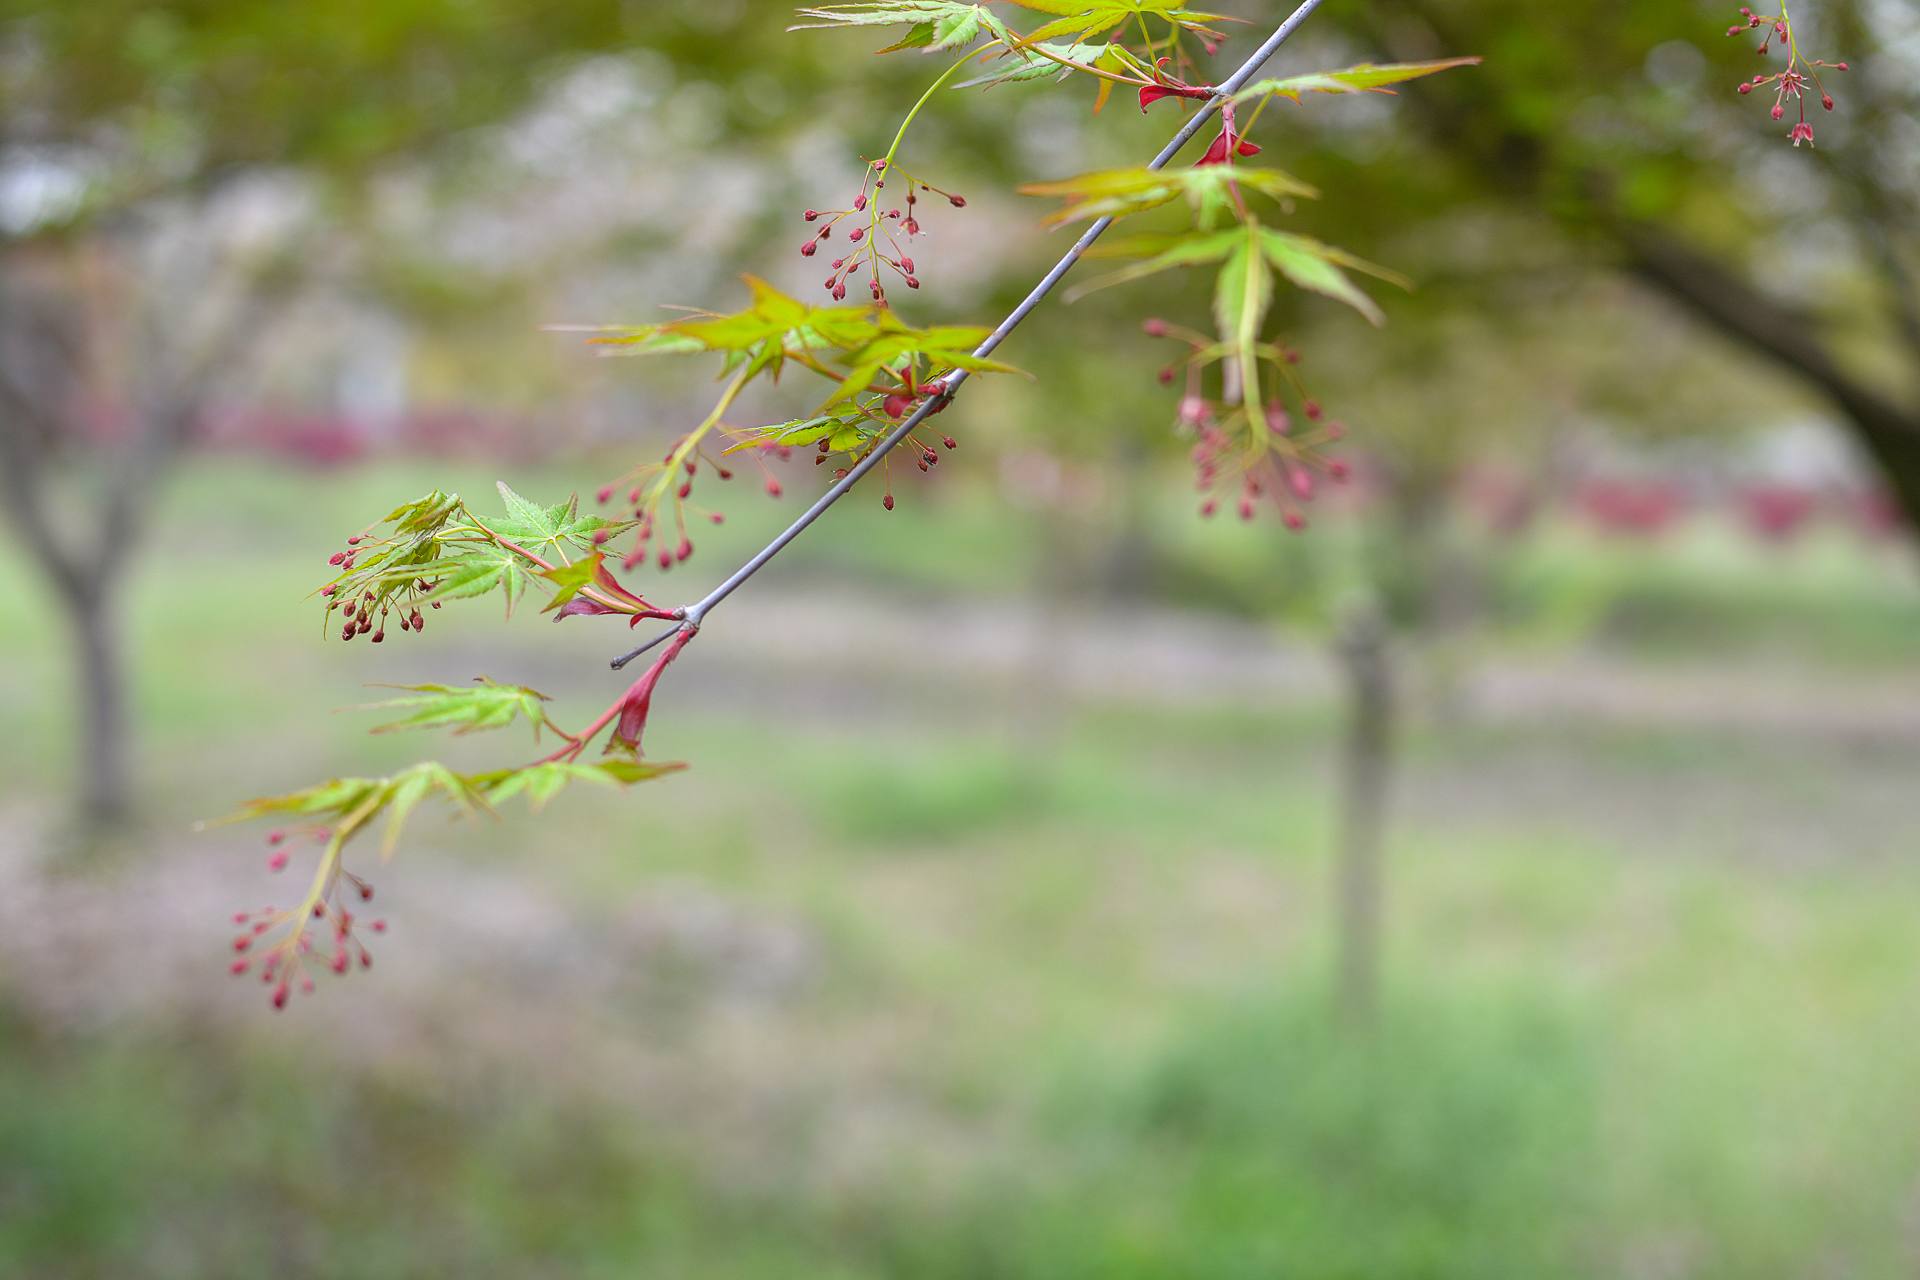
{"x": 1797, "y": 82}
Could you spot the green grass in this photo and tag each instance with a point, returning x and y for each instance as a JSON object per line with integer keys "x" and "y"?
{"x": 1062, "y": 999}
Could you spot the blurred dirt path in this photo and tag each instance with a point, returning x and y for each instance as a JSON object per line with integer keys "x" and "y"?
{"x": 1167, "y": 657}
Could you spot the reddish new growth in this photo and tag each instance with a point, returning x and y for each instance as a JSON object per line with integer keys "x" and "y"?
{"x": 1799, "y": 81}
{"x": 322, "y": 930}
{"x": 1228, "y": 143}
{"x": 1249, "y": 458}
{"x": 876, "y": 232}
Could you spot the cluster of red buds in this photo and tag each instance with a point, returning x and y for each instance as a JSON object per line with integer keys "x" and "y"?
{"x": 1800, "y": 80}
{"x": 321, "y": 930}
{"x": 1268, "y": 457}
{"x": 361, "y": 615}
{"x": 876, "y": 232}
{"x": 667, "y": 484}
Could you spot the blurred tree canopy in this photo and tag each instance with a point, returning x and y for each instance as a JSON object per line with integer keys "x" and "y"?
{"x": 1618, "y": 136}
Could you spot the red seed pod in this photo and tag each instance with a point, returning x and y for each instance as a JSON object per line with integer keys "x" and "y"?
{"x": 887, "y": 502}
{"x": 808, "y": 249}
{"x": 811, "y": 214}
{"x": 957, "y": 202}
{"x": 860, "y": 202}
{"x": 337, "y": 558}
{"x": 950, "y": 442}
{"x": 912, "y": 283}
{"x": 1745, "y": 88}
{"x": 906, "y": 265}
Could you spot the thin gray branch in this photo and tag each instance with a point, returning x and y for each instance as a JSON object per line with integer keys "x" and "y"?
{"x": 695, "y": 613}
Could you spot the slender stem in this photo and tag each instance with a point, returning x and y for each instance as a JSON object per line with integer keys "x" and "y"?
{"x": 951, "y": 383}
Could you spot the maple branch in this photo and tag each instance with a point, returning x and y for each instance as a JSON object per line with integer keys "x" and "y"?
{"x": 951, "y": 382}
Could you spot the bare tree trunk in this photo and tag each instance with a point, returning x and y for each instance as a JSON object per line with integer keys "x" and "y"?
{"x": 1365, "y": 768}
{"x": 102, "y": 770}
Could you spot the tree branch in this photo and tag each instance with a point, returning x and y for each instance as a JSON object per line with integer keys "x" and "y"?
{"x": 933, "y": 404}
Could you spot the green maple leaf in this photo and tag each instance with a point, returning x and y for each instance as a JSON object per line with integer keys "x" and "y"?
{"x": 1084, "y": 19}
{"x": 933, "y": 25}
{"x": 541, "y": 782}
{"x": 899, "y": 348}
{"x": 1119, "y": 192}
{"x": 759, "y": 336}
{"x": 463, "y": 708}
{"x": 1365, "y": 78}
{"x": 1242, "y": 295}
{"x": 1322, "y": 269}
{"x": 1029, "y": 63}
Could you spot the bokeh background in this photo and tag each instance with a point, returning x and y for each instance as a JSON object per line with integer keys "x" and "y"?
{"x": 1515, "y": 875}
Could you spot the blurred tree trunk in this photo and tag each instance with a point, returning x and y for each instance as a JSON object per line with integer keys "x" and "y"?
{"x": 71, "y": 333}
{"x": 1366, "y": 766}
{"x": 103, "y": 771}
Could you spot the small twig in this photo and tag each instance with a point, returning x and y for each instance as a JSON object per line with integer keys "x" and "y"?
{"x": 662, "y": 638}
